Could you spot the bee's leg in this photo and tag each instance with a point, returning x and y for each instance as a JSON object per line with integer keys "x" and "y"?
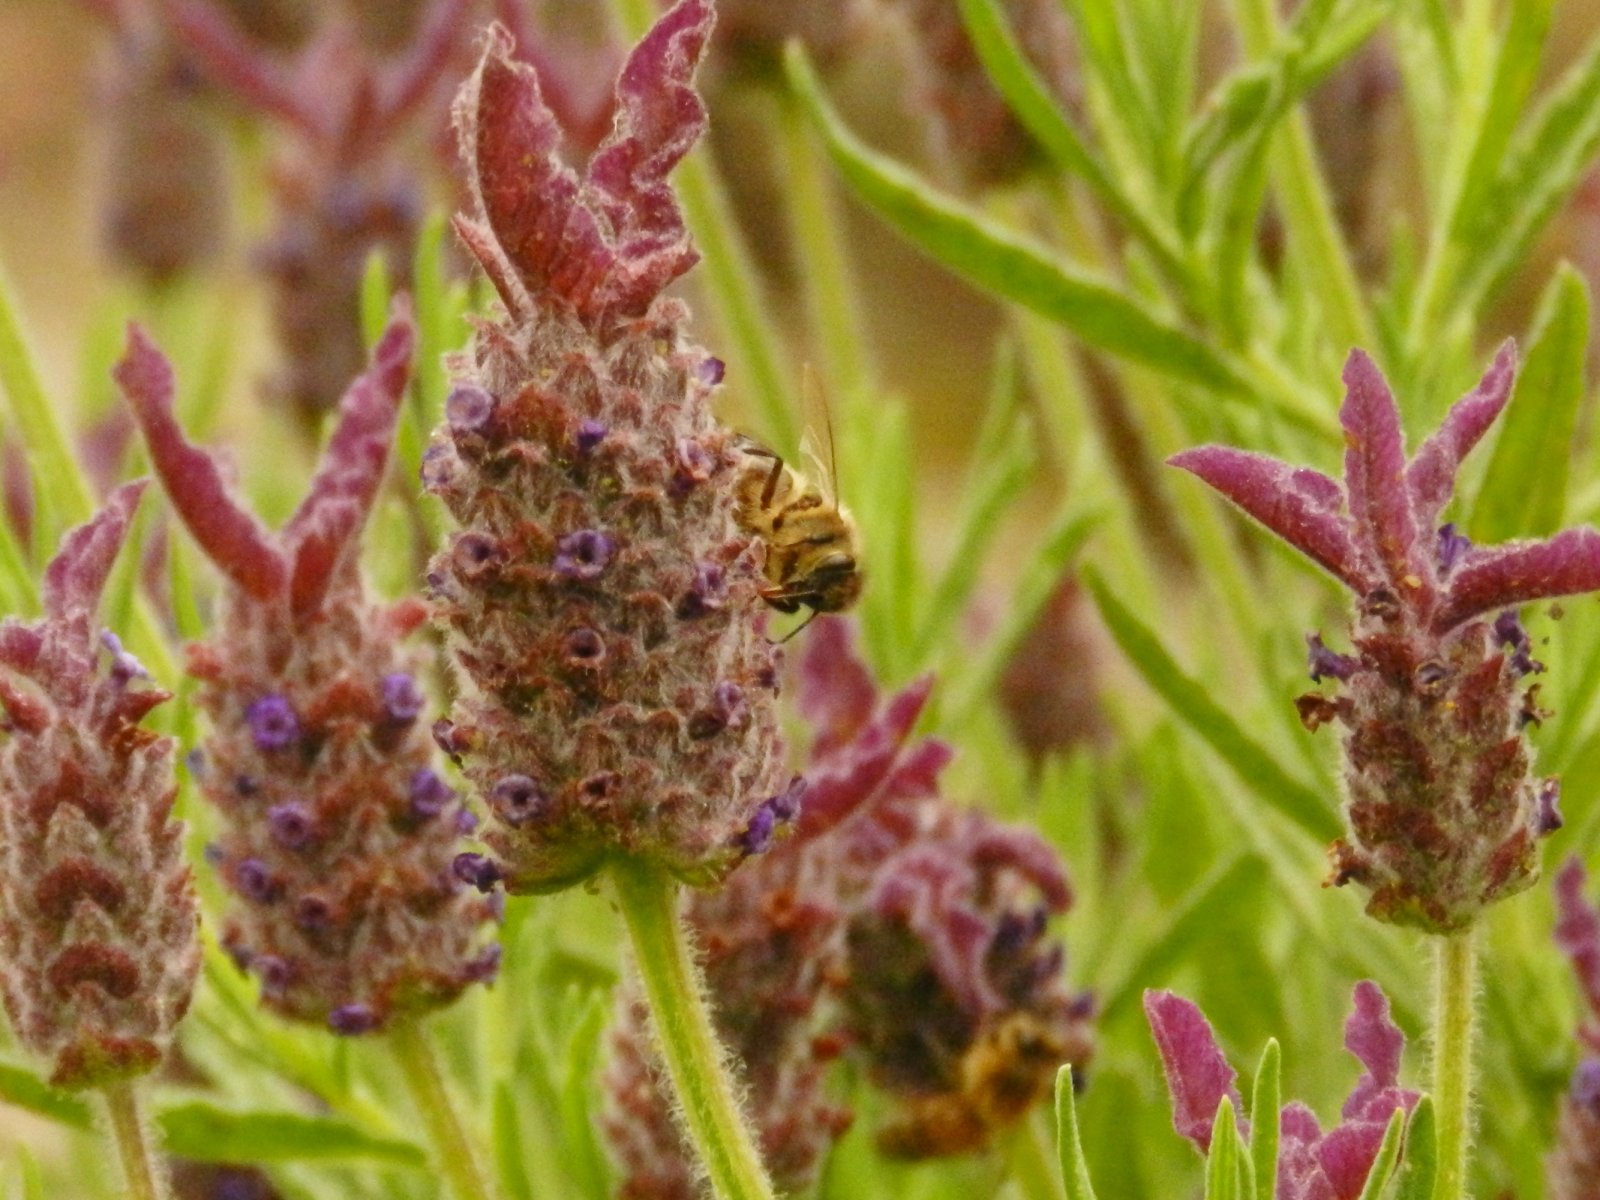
{"x": 810, "y": 617}
{"x": 770, "y": 488}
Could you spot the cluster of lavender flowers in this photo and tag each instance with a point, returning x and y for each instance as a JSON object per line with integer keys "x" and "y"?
{"x": 1443, "y": 810}
{"x": 600, "y": 601}
{"x": 98, "y": 919}
{"x": 340, "y": 834}
{"x": 894, "y": 928}
{"x": 1574, "y": 1168}
{"x": 1312, "y": 1165}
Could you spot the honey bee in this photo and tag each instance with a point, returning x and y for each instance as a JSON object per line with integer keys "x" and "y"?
{"x": 1005, "y": 1072}
{"x": 812, "y": 545}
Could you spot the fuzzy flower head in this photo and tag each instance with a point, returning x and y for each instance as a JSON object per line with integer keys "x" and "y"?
{"x": 98, "y": 952}
{"x": 1443, "y": 810}
{"x": 340, "y": 835}
{"x": 1312, "y": 1165}
{"x": 1574, "y": 1167}
{"x": 600, "y": 600}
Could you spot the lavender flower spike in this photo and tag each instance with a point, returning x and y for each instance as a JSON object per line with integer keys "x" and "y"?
{"x": 98, "y": 952}
{"x": 1442, "y": 807}
{"x": 600, "y": 667}
{"x": 1312, "y": 1165}
{"x": 1573, "y": 1169}
{"x": 347, "y": 907}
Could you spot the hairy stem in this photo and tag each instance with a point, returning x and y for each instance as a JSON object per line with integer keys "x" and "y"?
{"x": 127, "y": 1131}
{"x": 681, "y": 1019}
{"x": 1452, "y": 1062}
{"x": 452, "y": 1150}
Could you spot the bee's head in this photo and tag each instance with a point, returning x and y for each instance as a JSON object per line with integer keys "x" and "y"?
{"x": 834, "y": 582}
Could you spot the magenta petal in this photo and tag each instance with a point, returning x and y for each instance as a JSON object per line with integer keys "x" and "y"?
{"x": 1372, "y": 1036}
{"x": 1021, "y": 850}
{"x": 1347, "y": 1153}
{"x": 233, "y": 538}
{"x": 1431, "y": 477}
{"x": 837, "y": 692}
{"x": 838, "y": 784}
{"x": 236, "y": 64}
{"x": 1578, "y": 929}
{"x": 1517, "y": 572}
{"x": 353, "y": 464}
{"x": 1299, "y": 505}
{"x": 1198, "y": 1075}
{"x": 1375, "y": 476}
{"x": 77, "y": 574}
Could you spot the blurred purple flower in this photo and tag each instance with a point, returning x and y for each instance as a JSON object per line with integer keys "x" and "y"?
{"x": 1312, "y": 1165}
{"x": 1573, "y": 1167}
{"x": 98, "y": 946}
{"x": 1443, "y": 810}
{"x": 349, "y": 911}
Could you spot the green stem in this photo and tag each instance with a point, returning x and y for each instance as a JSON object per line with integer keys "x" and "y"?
{"x": 450, "y": 1145}
{"x": 127, "y": 1131}
{"x": 733, "y": 285}
{"x": 1452, "y": 1062}
{"x": 681, "y": 1018}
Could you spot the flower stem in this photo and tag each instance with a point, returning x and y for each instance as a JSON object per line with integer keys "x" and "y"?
{"x": 450, "y": 1145}
{"x": 681, "y": 1019}
{"x": 1452, "y": 1062}
{"x": 127, "y": 1131}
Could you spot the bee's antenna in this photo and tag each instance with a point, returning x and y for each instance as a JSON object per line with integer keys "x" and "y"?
{"x": 796, "y": 630}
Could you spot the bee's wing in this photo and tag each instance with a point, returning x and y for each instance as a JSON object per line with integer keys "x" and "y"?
{"x": 817, "y": 449}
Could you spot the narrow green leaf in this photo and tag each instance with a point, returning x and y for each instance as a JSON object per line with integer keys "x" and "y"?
{"x": 1388, "y": 1154}
{"x": 580, "y": 1061}
{"x": 1195, "y": 704}
{"x": 1266, "y": 1099}
{"x": 1106, "y": 54}
{"x": 990, "y": 496}
{"x": 1422, "y": 1154}
{"x": 1042, "y": 116}
{"x": 1516, "y": 68}
{"x": 1541, "y": 168}
{"x": 1009, "y": 265}
{"x": 58, "y": 479}
{"x": 1074, "y": 1170}
{"x": 208, "y": 1132}
{"x": 22, "y": 1088}
{"x": 375, "y": 293}
{"x": 976, "y": 675}
{"x": 1524, "y": 493}
{"x": 510, "y": 1165}
{"x": 1204, "y": 907}
{"x": 1222, "y": 1165}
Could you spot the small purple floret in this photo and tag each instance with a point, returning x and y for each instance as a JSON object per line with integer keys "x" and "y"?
{"x": 771, "y": 813}
{"x": 476, "y": 869}
{"x": 1547, "y": 816}
{"x": 1509, "y": 632}
{"x": 273, "y": 725}
{"x": 255, "y": 881}
{"x": 403, "y": 700}
{"x": 1453, "y": 547}
{"x": 485, "y": 965}
{"x": 437, "y": 467}
{"x": 124, "y": 666}
{"x": 476, "y": 556}
{"x": 313, "y": 913}
{"x": 585, "y": 554}
{"x": 585, "y": 646}
{"x": 590, "y": 435}
{"x": 466, "y": 821}
{"x": 195, "y": 760}
{"x": 705, "y": 593}
{"x": 352, "y": 1020}
{"x": 428, "y": 794}
{"x": 518, "y": 799}
{"x": 710, "y": 371}
{"x": 1326, "y": 663}
{"x": 291, "y": 825}
{"x": 468, "y": 408}
{"x": 273, "y": 972}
